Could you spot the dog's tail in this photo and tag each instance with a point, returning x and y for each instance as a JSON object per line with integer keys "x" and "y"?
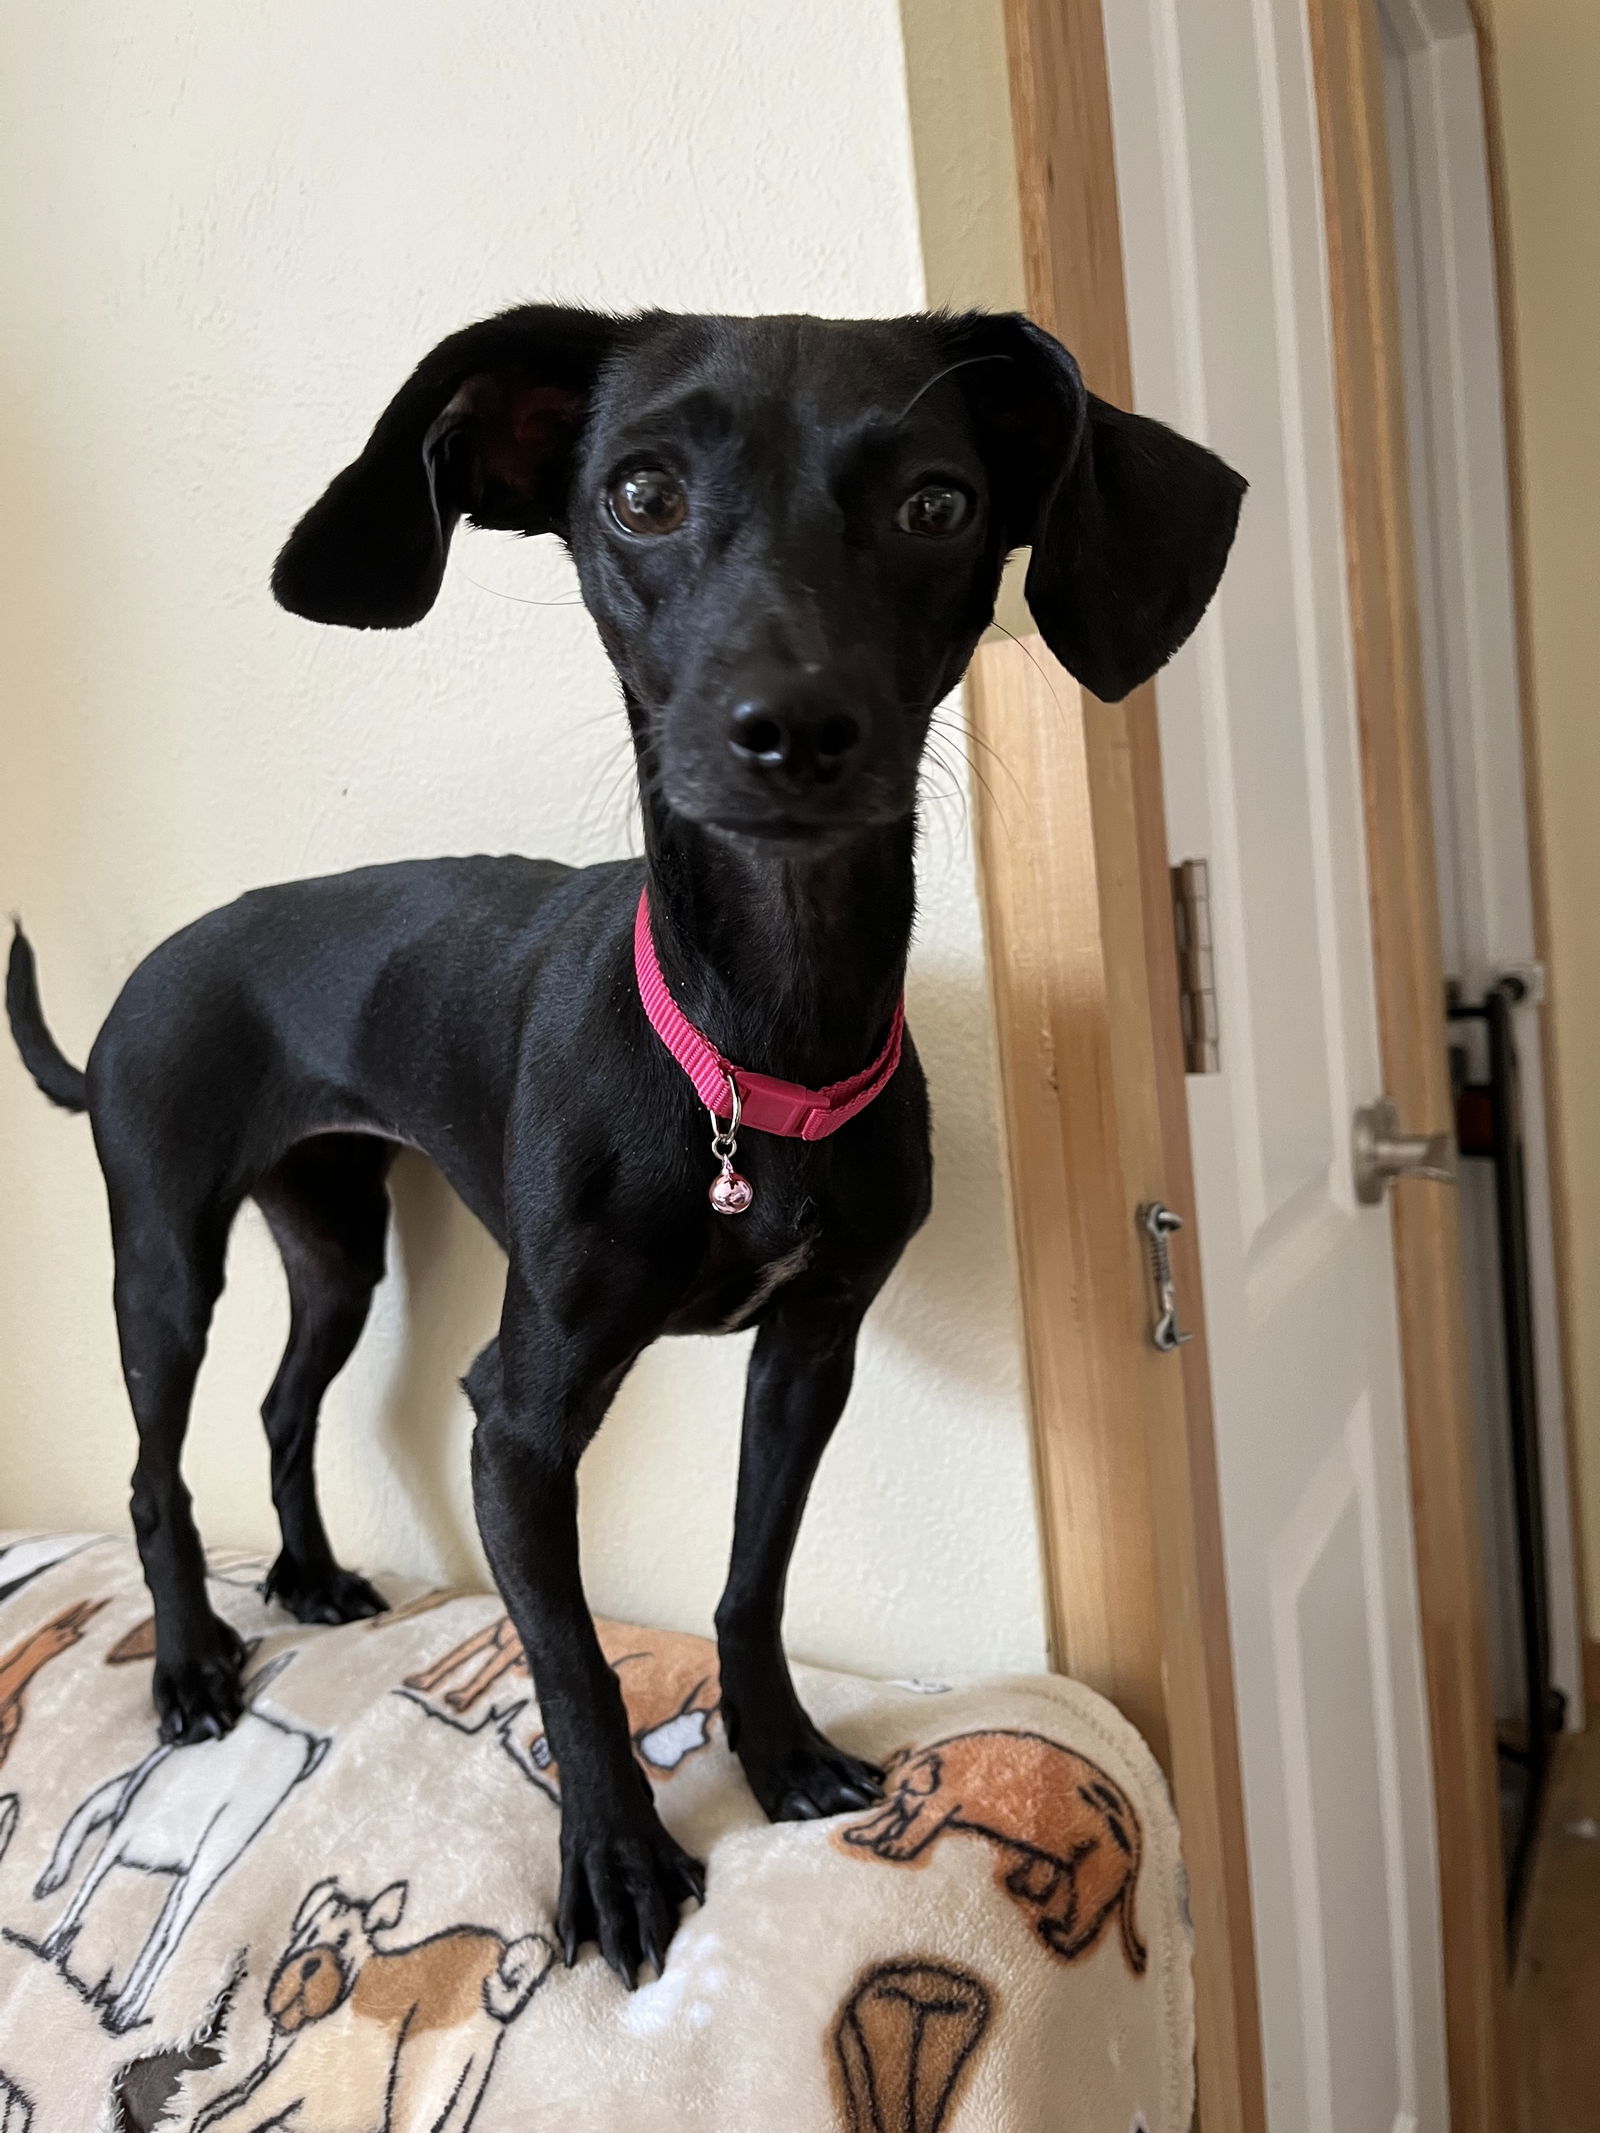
{"x": 44, "y": 1059}
{"x": 517, "y": 1977}
{"x": 102, "y": 1806}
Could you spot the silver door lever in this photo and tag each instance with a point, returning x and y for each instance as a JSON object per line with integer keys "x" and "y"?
{"x": 1381, "y": 1149}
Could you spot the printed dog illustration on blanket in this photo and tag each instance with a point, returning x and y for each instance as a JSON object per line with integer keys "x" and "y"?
{"x": 16, "y": 2111}
{"x": 367, "y": 2036}
{"x": 422, "y": 1603}
{"x": 24, "y": 1660}
{"x": 189, "y": 1813}
{"x": 903, "y": 2041}
{"x": 147, "y": 2091}
{"x": 1068, "y": 1838}
{"x": 669, "y": 1685}
{"x": 35, "y": 1553}
{"x": 137, "y": 1646}
{"x": 17, "y": 1669}
{"x": 21, "y": 1561}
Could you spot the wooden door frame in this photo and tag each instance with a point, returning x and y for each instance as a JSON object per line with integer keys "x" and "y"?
{"x": 1073, "y": 864}
{"x": 1079, "y": 918}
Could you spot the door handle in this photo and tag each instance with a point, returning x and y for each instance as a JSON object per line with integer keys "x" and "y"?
{"x": 1381, "y": 1149}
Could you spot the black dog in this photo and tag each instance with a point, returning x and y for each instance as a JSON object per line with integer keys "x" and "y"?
{"x": 790, "y": 533}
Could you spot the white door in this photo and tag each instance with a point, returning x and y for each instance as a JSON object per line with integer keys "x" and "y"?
{"x": 1223, "y": 236}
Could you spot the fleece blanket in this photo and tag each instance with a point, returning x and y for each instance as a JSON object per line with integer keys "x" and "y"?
{"x": 338, "y": 1918}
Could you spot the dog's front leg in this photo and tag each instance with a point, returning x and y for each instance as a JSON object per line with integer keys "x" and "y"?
{"x": 540, "y": 1392}
{"x": 272, "y": 2090}
{"x": 799, "y": 1380}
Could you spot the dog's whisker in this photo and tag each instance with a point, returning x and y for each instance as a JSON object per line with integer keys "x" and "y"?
{"x": 614, "y": 785}
{"x": 1039, "y": 670}
{"x": 952, "y": 739}
{"x": 956, "y": 793}
{"x": 959, "y": 732}
{"x": 966, "y": 803}
{"x": 940, "y": 375}
{"x": 965, "y": 736}
{"x": 525, "y": 599}
{"x": 628, "y": 789}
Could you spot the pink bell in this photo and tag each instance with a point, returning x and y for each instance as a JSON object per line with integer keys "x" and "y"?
{"x": 730, "y": 1194}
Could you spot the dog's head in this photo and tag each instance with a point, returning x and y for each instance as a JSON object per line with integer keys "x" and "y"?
{"x": 332, "y": 1936}
{"x": 790, "y": 531}
{"x": 911, "y": 1783}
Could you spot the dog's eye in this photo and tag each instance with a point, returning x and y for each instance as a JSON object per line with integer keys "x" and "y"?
{"x": 937, "y": 508}
{"x": 648, "y": 500}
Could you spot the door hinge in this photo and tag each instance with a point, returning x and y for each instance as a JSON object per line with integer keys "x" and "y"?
{"x": 1197, "y": 980}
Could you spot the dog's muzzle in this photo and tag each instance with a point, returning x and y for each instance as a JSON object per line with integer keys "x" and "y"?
{"x": 305, "y": 1987}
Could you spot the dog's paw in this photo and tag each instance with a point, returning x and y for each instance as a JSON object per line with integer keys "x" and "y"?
{"x": 804, "y": 1778}
{"x": 322, "y": 1596}
{"x": 624, "y": 1890}
{"x": 197, "y": 1695}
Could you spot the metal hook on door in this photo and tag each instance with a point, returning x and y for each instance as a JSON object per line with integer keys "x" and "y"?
{"x": 1158, "y": 1223}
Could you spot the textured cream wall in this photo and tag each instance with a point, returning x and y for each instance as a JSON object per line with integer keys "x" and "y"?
{"x": 225, "y": 234}
{"x": 1548, "y": 67}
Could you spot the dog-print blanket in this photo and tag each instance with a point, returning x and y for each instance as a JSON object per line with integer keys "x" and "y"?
{"x": 337, "y": 1919}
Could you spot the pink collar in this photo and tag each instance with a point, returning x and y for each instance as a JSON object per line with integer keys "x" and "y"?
{"x": 768, "y": 1104}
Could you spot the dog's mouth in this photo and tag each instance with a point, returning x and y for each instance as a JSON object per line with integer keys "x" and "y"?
{"x": 803, "y": 823}
{"x": 783, "y": 830}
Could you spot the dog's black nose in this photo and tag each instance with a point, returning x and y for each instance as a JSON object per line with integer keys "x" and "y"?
{"x": 803, "y": 736}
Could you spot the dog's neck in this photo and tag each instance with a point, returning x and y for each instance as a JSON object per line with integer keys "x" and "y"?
{"x": 790, "y": 965}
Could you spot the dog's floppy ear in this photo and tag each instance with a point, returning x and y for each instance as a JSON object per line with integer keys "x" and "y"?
{"x": 484, "y": 428}
{"x": 311, "y": 1903}
{"x": 1130, "y": 524}
{"x": 386, "y": 1909}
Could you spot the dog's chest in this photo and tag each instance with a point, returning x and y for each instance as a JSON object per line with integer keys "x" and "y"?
{"x": 340, "y": 2071}
{"x": 767, "y": 1281}
{"x": 742, "y": 1271}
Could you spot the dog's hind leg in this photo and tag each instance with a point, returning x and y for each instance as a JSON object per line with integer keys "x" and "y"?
{"x": 328, "y": 1208}
{"x": 169, "y": 1268}
{"x": 440, "y": 2075}
{"x": 178, "y": 1907}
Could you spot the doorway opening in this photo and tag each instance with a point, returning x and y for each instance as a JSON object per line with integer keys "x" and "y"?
{"x": 1449, "y": 317}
